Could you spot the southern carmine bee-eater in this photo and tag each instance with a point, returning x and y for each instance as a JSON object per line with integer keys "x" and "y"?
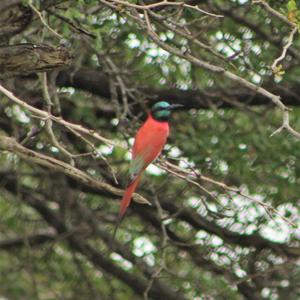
{"x": 148, "y": 144}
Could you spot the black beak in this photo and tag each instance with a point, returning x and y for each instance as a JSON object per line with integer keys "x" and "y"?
{"x": 175, "y": 106}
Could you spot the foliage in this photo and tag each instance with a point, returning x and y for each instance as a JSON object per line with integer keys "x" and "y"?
{"x": 198, "y": 240}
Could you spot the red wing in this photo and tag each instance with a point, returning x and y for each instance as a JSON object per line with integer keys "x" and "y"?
{"x": 150, "y": 141}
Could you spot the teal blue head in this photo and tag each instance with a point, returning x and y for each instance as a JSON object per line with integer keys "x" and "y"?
{"x": 161, "y": 111}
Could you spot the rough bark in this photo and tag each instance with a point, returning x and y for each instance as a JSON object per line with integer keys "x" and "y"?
{"x": 14, "y": 18}
{"x": 30, "y": 58}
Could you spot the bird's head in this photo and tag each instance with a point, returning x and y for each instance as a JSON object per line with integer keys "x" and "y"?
{"x": 161, "y": 111}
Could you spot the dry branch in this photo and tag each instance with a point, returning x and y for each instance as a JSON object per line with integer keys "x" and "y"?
{"x": 24, "y": 59}
{"x": 198, "y": 62}
{"x": 10, "y": 145}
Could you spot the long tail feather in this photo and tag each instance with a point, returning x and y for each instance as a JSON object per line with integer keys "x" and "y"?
{"x": 127, "y": 195}
{"x": 119, "y": 220}
{"x": 125, "y": 202}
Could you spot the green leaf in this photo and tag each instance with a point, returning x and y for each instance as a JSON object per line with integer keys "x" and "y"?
{"x": 291, "y": 6}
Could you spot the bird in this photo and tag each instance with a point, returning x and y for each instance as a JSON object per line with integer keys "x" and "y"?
{"x": 148, "y": 144}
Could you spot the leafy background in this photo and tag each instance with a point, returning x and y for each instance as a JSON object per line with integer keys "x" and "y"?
{"x": 194, "y": 242}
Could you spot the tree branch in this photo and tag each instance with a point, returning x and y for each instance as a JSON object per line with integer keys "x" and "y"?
{"x": 9, "y": 144}
{"x": 24, "y": 59}
{"x": 97, "y": 83}
{"x": 158, "y": 291}
{"x": 33, "y": 240}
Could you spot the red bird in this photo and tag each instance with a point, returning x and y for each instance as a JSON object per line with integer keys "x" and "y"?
{"x": 148, "y": 144}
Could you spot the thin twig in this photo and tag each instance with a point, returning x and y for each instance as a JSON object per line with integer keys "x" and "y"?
{"x": 284, "y": 50}
{"x": 56, "y": 143}
{"x": 173, "y": 169}
{"x": 115, "y": 72}
{"x": 286, "y": 125}
{"x": 213, "y": 68}
{"x": 45, "y": 115}
{"x": 179, "y": 172}
{"x": 43, "y": 21}
{"x": 273, "y": 12}
{"x": 165, "y": 239}
{"x": 10, "y": 145}
{"x": 48, "y": 121}
{"x": 165, "y": 3}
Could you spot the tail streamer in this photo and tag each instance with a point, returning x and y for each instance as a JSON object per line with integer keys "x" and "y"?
{"x": 126, "y": 201}
{"x": 128, "y": 194}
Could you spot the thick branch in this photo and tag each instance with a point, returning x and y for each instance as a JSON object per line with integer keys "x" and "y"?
{"x": 244, "y": 240}
{"x": 198, "y": 257}
{"x": 32, "y": 241}
{"x": 29, "y": 58}
{"x": 9, "y": 144}
{"x": 97, "y": 83}
{"x": 158, "y": 291}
